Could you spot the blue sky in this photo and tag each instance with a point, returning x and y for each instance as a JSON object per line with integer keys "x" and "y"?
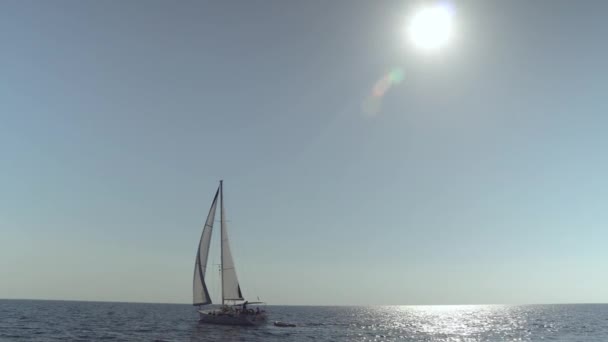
{"x": 482, "y": 179}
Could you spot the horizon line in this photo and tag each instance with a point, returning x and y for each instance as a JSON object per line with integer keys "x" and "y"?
{"x": 326, "y": 305}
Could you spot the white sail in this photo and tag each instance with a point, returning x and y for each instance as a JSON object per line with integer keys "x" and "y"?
{"x": 200, "y": 293}
{"x": 230, "y": 284}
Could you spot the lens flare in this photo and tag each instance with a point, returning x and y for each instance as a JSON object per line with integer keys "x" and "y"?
{"x": 373, "y": 103}
{"x": 394, "y": 77}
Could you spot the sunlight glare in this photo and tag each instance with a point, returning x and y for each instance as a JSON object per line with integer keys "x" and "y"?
{"x": 431, "y": 27}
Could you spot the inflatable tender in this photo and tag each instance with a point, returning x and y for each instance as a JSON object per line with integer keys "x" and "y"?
{"x": 283, "y": 324}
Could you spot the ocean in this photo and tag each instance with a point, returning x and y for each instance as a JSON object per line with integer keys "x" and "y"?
{"x": 38, "y": 320}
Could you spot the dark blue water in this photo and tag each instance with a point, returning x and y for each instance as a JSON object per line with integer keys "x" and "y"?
{"x": 25, "y": 320}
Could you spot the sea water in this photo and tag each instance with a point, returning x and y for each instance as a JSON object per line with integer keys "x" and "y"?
{"x": 35, "y": 320}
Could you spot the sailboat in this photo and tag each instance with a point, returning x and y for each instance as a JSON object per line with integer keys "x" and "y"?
{"x": 234, "y": 309}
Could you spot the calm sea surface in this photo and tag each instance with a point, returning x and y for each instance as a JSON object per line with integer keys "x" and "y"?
{"x": 33, "y": 320}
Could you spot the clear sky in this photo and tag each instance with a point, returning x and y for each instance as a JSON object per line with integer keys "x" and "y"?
{"x": 483, "y": 177}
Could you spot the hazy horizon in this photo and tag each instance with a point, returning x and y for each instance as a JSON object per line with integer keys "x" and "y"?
{"x": 358, "y": 169}
{"x": 278, "y": 304}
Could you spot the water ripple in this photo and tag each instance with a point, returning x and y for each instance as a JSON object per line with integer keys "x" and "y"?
{"x": 84, "y": 321}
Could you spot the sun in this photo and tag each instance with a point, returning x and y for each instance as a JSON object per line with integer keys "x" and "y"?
{"x": 431, "y": 27}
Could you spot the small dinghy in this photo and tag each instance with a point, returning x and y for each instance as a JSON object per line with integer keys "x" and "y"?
{"x": 283, "y": 324}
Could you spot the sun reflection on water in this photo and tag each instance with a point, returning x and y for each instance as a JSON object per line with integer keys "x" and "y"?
{"x": 446, "y": 323}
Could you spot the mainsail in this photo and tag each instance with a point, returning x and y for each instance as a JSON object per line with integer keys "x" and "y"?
{"x": 200, "y": 293}
{"x": 230, "y": 284}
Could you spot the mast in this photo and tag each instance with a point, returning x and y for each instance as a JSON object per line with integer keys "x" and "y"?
{"x": 222, "y": 236}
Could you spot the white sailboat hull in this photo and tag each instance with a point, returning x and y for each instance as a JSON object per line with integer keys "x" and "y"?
{"x": 232, "y": 319}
